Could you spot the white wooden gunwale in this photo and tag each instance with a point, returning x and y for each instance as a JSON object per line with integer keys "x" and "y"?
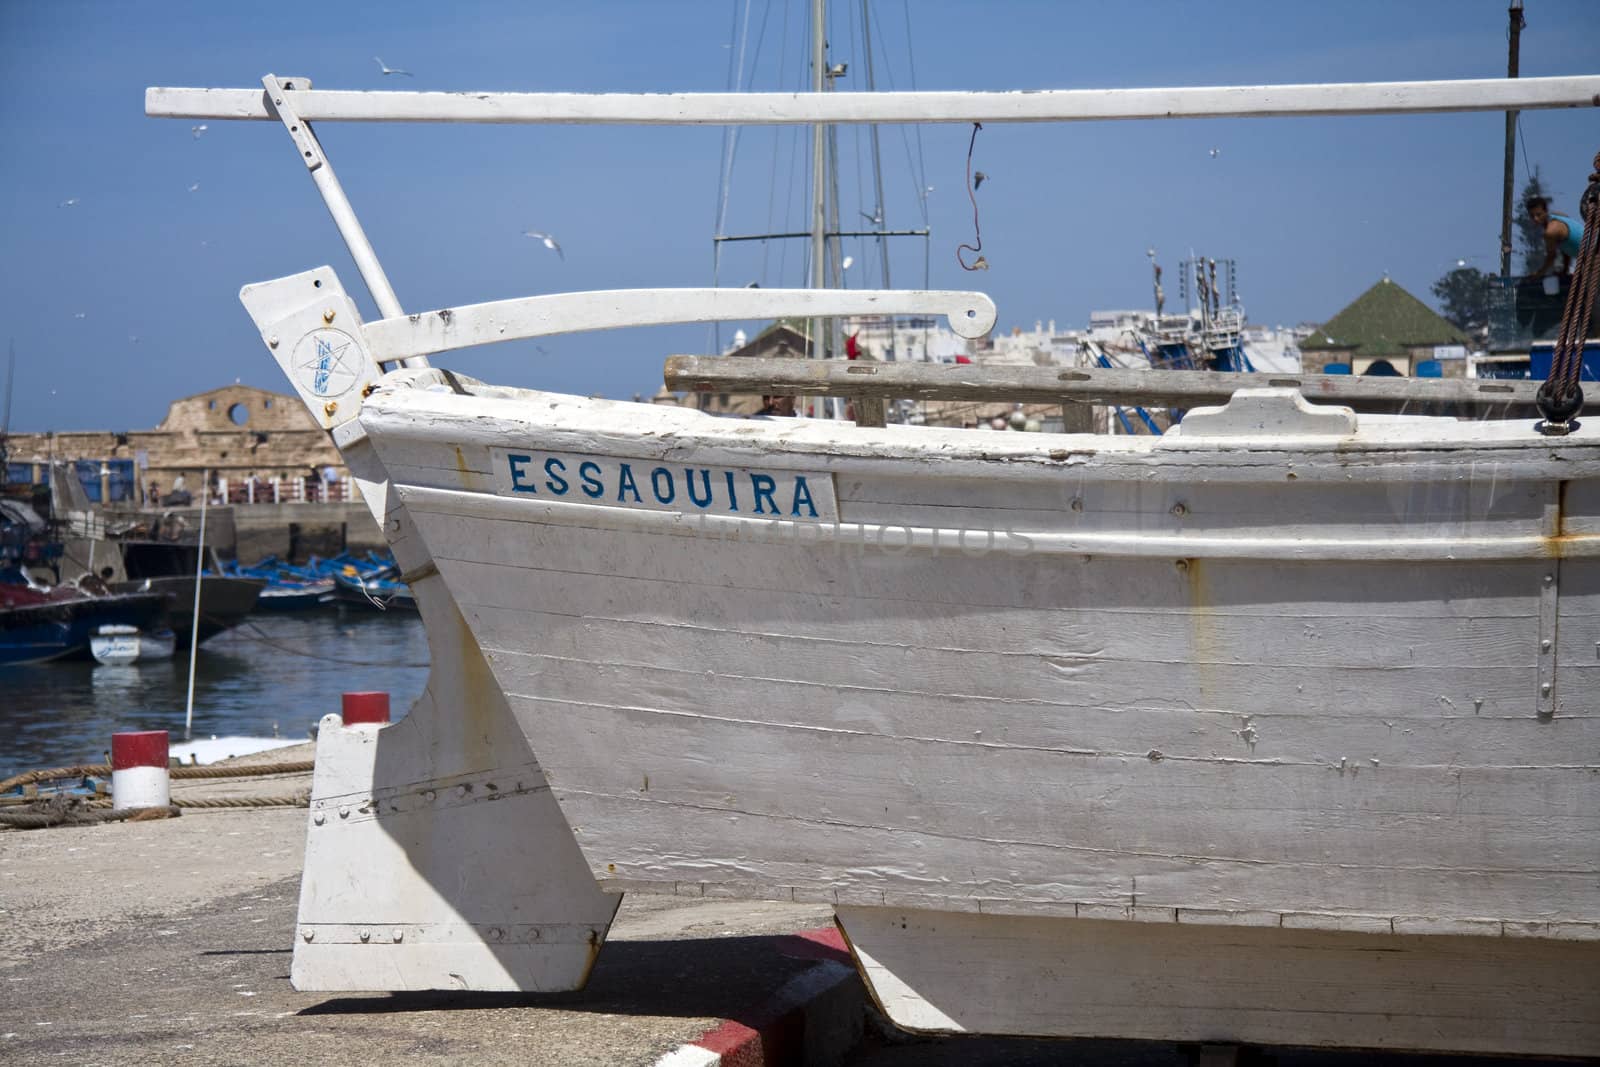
{"x": 1051, "y": 105}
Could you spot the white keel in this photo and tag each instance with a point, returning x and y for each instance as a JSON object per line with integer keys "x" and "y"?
{"x": 945, "y": 972}
{"x": 436, "y": 857}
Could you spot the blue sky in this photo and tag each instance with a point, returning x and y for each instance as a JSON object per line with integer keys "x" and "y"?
{"x": 1313, "y": 211}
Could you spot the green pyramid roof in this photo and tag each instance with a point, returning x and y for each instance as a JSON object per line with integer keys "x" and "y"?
{"x": 1384, "y": 321}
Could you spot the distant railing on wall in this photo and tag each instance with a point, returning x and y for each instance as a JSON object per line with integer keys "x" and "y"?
{"x": 307, "y": 490}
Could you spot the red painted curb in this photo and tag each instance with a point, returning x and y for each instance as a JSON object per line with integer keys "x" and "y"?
{"x": 368, "y": 707}
{"x": 776, "y": 1033}
{"x": 823, "y": 943}
{"x": 139, "y": 748}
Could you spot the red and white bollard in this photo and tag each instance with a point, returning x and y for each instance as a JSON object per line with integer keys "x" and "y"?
{"x": 365, "y": 709}
{"x": 139, "y": 770}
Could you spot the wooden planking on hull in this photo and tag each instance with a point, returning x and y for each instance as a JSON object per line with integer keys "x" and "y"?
{"x": 803, "y": 750}
{"x": 1171, "y": 981}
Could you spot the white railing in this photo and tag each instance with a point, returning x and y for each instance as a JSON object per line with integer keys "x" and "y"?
{"x": 246, "y": 492}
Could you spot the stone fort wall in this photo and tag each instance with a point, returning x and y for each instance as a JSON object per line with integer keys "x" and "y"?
{"x": 235, "y": 431}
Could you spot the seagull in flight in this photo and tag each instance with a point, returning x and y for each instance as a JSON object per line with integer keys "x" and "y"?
{"x": 195, "y": 188}
{"x": 386, "y": 69}
{"x": 197, "y": 131}
{"x": 548, "y": 241}
{"x": 978, "y": 178}
{"x": 69, "y": 202}
{"x": 1215, "y": 152}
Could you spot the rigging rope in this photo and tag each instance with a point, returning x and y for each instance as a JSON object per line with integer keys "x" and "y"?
{"x": 1560, "y": 398}
{"x": 266, "y": 639}
{"x": 972, "y": 194}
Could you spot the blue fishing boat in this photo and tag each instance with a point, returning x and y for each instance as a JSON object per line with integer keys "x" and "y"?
{"x": 375, "y": 592}
{"x": 282, "y": 594}
{"x": 287, "y": 588}
{"x": 39, "y": 624}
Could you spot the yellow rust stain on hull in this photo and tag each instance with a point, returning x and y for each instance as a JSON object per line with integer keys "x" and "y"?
{"x": 1204, "y": 642}
{"x": 1561, "y": 544}
{"x": 469, "y": 477}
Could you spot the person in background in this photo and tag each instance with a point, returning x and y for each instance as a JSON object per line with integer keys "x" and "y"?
{"x": 1562, "y": 236}
{"x": 777, "y": 405}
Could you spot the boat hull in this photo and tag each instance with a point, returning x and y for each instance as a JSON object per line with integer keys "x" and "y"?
{"x": 1207, "y": 688}
{"x": 299, "y": 597}
{"x": 224, "y": 602}
{"x": 1310, "y": 685}
{"x": 120, "y": 649}
{"x": 62, "y": 629}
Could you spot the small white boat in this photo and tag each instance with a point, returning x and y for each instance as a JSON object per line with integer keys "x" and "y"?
{"x": 1280, "y": 728}
{"x": 216, "y": 749}
{"x": 119, "y": 645}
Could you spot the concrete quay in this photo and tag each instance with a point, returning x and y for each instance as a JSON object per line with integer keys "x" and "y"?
{"x": 169, "y": 942}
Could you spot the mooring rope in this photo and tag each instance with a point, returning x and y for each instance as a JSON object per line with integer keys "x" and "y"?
{"x": 49, "y": 812}
{"x": 55, "y": 813}
{"x": 287, "y": 800}
{"x": 84, "y": 770}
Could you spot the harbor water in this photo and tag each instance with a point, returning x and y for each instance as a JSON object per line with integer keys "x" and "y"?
{"x": 277, "y": 674}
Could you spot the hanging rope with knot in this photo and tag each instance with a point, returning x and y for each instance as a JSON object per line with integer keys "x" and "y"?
{"x": 1560, "y": 398}
{"x": 972, "y": 194}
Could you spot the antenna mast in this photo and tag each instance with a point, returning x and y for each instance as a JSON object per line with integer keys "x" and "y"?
{"x": 5, "y": 419}
{"x": 1514, "y": 36}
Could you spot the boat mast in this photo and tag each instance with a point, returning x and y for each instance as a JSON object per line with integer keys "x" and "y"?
{"x": 878, "y": 212}
{"x": 5, "y": 419}
{"x": 835, "y": 328}
{"x": 1514, "y": 36}
{"x": 819, "y": 217}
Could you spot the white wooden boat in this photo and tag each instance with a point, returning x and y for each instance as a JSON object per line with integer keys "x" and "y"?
{"x": 1281, "y": 728}
{"x": 116, "y": 645}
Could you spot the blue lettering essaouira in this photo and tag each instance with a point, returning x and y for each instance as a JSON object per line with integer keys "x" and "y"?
{"x": 654, "y": 485}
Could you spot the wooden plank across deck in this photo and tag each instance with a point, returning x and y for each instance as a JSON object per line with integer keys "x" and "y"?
{"x": 1084, "y": 385}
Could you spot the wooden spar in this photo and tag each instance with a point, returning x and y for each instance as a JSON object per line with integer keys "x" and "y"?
{"x": 970, "y": 314}
{"x": 1079, "y": 385}
{"x": 1055, "y": 105}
